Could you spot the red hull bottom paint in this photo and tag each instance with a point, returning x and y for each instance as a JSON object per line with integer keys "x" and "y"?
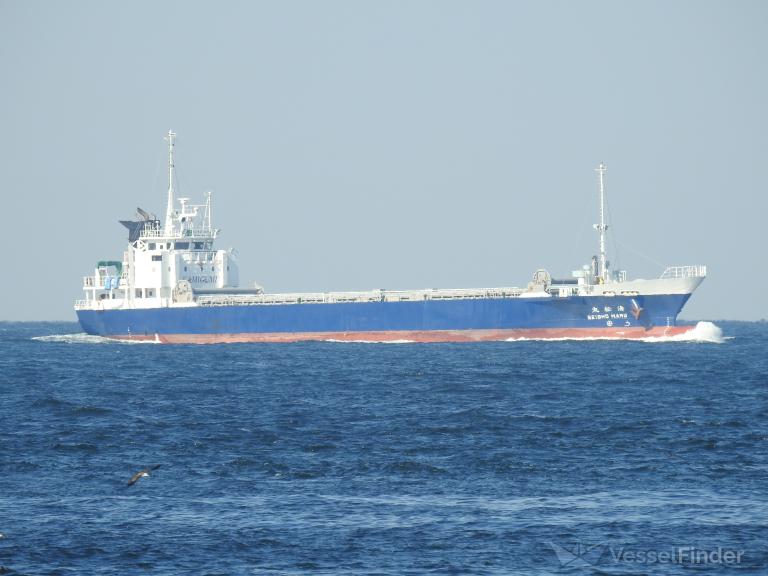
{"x": 418, "y": 335}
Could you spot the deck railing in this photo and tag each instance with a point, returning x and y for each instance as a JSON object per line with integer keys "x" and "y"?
{"x": 349, "y": 297}
{"x": 685, "y": 272}
{"x": 188, "y": 233}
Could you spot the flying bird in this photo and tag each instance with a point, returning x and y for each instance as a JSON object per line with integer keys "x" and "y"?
{"x": 141, "y": 474}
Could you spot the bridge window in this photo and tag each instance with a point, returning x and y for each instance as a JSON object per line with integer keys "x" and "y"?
{"x": 151, "y": 245}
{"x": 182, "y": 245}
{"x": 157, "y": 258}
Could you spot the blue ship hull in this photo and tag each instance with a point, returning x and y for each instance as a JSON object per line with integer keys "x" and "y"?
{"x": 428, "y": 320}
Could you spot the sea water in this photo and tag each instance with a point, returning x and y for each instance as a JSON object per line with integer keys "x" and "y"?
{"x": 524, "y": 457}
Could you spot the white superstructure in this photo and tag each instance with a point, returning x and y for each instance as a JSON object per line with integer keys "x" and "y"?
{"x": 164, "y": 265}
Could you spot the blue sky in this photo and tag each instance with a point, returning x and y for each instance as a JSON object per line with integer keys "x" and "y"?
{"x": 355, "y": 145}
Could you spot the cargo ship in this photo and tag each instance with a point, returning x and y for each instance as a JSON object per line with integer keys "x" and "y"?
{"x": 173, "y": 285}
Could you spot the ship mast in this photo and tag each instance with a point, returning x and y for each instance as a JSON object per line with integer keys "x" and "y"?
{"x": 602, "y": 227}
{"x": 169, "y": 208}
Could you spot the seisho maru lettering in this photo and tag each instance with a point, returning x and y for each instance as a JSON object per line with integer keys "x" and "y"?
{"x": 613, "y": 316}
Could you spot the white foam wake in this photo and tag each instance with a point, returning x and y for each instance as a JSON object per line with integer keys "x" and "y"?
{"x": 702, "y": 332}
{"x": 83, "y": 338}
